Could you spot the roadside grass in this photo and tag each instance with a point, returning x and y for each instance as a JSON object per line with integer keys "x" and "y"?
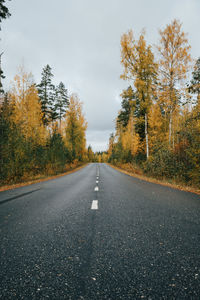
{"x": 135, "y": 171}
{"x": 42, "y": 177}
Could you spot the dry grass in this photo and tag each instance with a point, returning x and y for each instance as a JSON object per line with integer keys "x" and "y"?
{"x": 41, "y": 178}
{"x": 137, "y": 173}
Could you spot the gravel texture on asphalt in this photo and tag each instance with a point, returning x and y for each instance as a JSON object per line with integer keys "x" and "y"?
{"x": 143, "y": 241}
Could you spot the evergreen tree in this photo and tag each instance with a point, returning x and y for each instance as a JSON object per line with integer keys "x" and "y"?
{"x": 57, "y": 153}
{"x": 52, "y": 113}
{"x": 195, "y": 82}
{"x": 46, "y": 92}
{"x": 5, "y": 111}
{"x": 1, "y": 77}
{"x": 128, "y": 102}
{"x": 62, "y": 100}
{"x": 4, "y": 12}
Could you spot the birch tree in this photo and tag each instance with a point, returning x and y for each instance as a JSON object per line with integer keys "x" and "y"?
{"x": 76, "y": 126}
{"x": 174, "y": 64}
{"x": 139, "y": 66}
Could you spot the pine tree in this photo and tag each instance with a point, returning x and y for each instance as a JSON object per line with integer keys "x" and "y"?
{"x": 57, "y": 152}
{"x": 46, "y": 92}
{"x": 127, "y": 105}
{"x": 4, "y": 12}
{"x": 62, "y": 100}
{"x": 5, "y": 112}
{"x": 1, "y": 76}
{"x": 195, "y": 82}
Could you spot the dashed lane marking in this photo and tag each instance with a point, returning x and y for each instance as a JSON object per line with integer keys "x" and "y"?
{"x": 94, "y": 204}
{"x": 96, "y": 189}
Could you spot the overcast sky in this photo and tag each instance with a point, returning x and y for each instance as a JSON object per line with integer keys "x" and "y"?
{"x": 80, "y": 40}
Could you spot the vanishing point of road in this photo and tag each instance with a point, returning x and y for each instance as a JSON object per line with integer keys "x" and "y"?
{"x": 99, "y": 234}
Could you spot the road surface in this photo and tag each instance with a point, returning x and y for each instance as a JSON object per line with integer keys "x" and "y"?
{"x": 99, "y": 234}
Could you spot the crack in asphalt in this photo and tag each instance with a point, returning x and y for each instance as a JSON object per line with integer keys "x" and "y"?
{"x": 18, "y": 196}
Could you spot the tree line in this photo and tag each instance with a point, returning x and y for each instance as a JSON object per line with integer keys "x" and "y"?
{"x": 158, "y": 126}
{"x": 42, "y": 128}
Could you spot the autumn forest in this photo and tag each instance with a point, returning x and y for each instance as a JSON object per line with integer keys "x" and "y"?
{"x": 157, "y": 130}
{"x": 158, "y": 126}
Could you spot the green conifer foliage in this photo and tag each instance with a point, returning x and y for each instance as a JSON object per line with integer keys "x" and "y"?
{"x": 195, "y": 82}
{"x": 4, "y": 12}
{"x": 62, "y": 100}
{"x": 46, "y": 92}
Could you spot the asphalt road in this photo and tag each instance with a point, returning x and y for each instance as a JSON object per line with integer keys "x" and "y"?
{"x": 137, "y": 240}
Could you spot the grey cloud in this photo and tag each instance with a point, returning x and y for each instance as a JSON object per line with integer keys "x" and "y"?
{"x": 80, "y": 39}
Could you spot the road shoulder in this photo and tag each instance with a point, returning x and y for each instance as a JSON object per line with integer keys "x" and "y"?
{"x": 18, "y": 185}
{"x": 156, "y": 181}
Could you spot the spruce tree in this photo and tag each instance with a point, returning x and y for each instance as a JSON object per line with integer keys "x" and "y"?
{"x": 195, "y": 82}
{"x": 46, "y": 92}
{"x": 127, "y": 105}
{"x": 52, "y": 112}
{"x": 4, "y": 12}
{"x": 62, "y": 100}
{"x": 1, "y": 77}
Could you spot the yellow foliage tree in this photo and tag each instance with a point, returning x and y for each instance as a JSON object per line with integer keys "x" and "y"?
{"x": 139, "y": 66}
{"x": 104, "y": 157}
{"x": 90, "y": 154}
{"x": 174, "y": 64}
{"x": 156, "y": 126}
{"x": 130, "y": 139}
{"x": 111, "y": 145}
{"x": 75, "y": 129}
{"x": 26, "y": 108}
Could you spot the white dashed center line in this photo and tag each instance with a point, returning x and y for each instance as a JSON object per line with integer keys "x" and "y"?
{"x": 96, "y": 189}
{"x": 94, "y": 204}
